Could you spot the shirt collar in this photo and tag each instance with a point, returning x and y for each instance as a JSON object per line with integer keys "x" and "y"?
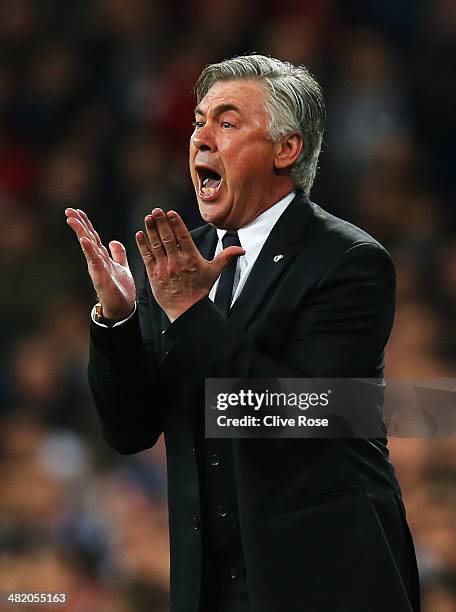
{"x": 254, "y": 235}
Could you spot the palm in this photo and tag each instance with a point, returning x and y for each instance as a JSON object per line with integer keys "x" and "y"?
{"x": 114, "y": 282}
{"x": 110, "y": 273}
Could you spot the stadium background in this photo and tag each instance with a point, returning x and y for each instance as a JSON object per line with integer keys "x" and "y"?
{"x": 95, "y": 113}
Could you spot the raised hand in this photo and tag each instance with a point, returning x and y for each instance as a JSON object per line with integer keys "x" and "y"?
{"x": 110, "y": 273}
{"x": 178, "y": 274}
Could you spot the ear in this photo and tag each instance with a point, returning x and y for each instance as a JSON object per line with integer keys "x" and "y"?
{"x": 287, "y": 151}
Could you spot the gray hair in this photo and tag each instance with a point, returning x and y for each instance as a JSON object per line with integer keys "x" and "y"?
{"x": 294, "y": 104}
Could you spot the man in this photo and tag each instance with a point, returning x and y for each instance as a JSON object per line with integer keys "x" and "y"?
{"x": 257, "y": 525}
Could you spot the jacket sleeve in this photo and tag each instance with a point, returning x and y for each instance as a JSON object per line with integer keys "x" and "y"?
{"x": 125, "y": 384}
{"x": 340, "y": 332}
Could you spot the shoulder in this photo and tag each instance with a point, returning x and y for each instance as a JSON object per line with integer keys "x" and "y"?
{"x": 329, "y": 247}
{"x": 337, "y": 233}
{"x": 337, "y": 240}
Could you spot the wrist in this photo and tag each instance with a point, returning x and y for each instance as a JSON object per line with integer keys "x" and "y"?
{"x": 176, "y": 312}
{"x": 105, "y": 317}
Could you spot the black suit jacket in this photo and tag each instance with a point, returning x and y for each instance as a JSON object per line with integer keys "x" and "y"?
{"x": 322, "y": 522}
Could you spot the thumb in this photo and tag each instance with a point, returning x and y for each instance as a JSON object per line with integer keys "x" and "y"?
{"x": 118, "y": 252}
{"x": 223, "y": 258}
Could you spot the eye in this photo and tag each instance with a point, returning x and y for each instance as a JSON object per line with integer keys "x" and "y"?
{"x": 226, "y": 124}
{"x": 197, "y": 124}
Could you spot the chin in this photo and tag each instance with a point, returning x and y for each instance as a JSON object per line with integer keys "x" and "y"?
{"x": 211, "y": 213}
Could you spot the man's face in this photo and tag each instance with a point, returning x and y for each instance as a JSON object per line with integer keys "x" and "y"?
{"x": 231, "y": 157}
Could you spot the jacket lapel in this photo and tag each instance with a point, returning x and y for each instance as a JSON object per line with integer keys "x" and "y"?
{"x": 206, "y": 242}
{"x": 275, "y": 257}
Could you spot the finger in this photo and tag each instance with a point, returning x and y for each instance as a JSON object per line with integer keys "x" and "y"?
{"x": 183, "y": 236}
{"x": 153, "y": 237}
{"x": 76, "y": 214}
{"x": 118, "y": 252}
{"x": 96, "y": 264}
{"x": 166, "y": 233}
{"x": 76, "y": 221}
{"x": 91, "y": 231}
{"x": 79, "y": 228}
{"x": 81, "y": 232}
{"x": 223, "y": 258}
{"x": 92, "y": 253}
{"x": 90, "y": 227}
{"x": 71, "y": 212}
{"x": 145, "y": 250}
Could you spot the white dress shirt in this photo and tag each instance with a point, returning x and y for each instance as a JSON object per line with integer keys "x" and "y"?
{"x": 252, "y": 238}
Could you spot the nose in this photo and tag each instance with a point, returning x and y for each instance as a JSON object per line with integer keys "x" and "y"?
{"x": 203, "y": 139}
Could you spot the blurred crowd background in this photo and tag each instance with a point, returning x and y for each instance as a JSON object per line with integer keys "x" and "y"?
{"x": 95, "y": 113}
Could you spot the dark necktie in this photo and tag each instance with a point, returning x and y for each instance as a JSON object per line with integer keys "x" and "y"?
{"x": 224, "y": 292}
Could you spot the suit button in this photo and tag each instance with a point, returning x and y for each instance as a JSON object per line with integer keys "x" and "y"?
{"x": 196, "y": 522}
{"x": 214, "y": 459}
{"x": 234, "y": 573}
{"x": 221, "y": 511}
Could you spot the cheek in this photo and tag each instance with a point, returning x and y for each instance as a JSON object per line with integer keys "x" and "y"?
{"x": 191, "y": 156}
{"x": 238, "y": 169}
{"x": 250, "y": 162}
{"x": 244, "y": 173}
{"x": 193, "y": 174}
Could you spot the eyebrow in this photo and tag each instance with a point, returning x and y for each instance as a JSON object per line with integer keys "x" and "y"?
{"x": 219, "y": 110}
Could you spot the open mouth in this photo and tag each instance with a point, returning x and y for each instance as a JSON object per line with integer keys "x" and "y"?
{"x": 209, "y": 183}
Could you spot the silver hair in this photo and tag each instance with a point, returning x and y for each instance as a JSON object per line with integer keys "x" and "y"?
{"x": 294, "y": 103}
